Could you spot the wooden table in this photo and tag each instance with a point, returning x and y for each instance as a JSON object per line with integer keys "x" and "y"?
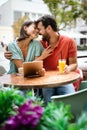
{"x": 51, "y": 79}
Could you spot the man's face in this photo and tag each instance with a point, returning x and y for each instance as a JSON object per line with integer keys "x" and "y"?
{"x": 43, "y": 31}
{"x": 31, "y": 30}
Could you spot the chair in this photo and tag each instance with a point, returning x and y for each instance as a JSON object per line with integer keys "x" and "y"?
{"x": 2, "y": 70}
{"x": 77, "y": 83}
{"x": 77, "y": 100}
{"x": 83, "y": 85}
{"x": 82, "y": 64}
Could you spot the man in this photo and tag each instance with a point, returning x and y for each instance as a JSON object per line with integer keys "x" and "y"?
{"x": 48, "y": 29}
{"x": 55, "y": 44}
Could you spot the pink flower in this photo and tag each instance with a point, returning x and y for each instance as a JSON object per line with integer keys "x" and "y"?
{"x": 28, "y": 117}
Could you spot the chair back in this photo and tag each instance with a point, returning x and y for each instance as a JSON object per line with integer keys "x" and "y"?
{"x": 83, "y": 85}
{"x": 77, "y": 100}
{"x": 2, "y": 70}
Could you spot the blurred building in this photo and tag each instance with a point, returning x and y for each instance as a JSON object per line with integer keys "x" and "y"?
{"x": 12, "y": 10}
{"x": 6, "y": 34}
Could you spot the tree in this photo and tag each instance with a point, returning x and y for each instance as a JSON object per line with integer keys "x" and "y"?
{"x": 84, "y": 10}
{"x": 65, "y": 11}
{"x": 17, "y": 24}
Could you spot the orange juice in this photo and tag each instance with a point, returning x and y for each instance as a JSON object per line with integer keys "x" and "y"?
{"x": 62, "y": 64}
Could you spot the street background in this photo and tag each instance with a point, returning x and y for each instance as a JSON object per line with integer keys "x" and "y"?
{"x": 4, "y": 62}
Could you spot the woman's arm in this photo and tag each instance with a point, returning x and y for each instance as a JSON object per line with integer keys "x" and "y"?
{"x": 18, "y": 63}
{"x": 47, "y": 52}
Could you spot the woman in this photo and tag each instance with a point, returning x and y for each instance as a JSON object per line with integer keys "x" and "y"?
{"x": 25, "y": 48}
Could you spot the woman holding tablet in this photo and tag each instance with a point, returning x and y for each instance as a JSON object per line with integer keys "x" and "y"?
{"x": 25, "y": 48}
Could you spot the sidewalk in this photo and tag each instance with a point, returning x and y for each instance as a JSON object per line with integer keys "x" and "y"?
{"x": 4, "y": 62}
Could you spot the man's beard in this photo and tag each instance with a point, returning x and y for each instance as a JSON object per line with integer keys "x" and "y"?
{"x": 46, "y": 39}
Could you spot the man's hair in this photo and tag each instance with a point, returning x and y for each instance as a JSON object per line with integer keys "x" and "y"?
{"x": 48, "y": 20}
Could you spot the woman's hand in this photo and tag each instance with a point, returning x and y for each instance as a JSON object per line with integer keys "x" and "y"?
{"x": 20, "y": 70}
{"x": 41, "y": 72}
{"x": 47, "y": 52}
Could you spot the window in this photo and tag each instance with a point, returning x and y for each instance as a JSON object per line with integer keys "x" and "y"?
{"x": 40, "y": 15}
{"x": 17, "y": 15}
{"x": 26, "y": 14}
{"x": 33, "y": 16}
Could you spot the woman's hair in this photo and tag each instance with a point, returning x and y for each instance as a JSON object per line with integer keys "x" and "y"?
{"x": 23, "y": 34}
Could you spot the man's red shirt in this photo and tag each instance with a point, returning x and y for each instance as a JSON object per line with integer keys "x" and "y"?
{"x": 65, "y": 45}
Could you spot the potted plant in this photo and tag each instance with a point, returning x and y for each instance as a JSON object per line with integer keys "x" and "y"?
{"x": 10, "y": 99}
{"x": 32, "y": 115}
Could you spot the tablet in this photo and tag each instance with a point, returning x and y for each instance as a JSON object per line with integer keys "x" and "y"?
{"x": 30, "y": 68}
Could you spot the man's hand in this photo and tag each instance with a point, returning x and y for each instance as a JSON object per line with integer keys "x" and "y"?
{"x": 7, "y": 54}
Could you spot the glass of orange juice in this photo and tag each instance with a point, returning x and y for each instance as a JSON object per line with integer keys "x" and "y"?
{"x": 62, "y": 64}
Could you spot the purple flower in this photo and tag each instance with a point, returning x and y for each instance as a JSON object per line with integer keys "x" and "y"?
{"x": 28, "y": 116}
{"x": 12, "y": 124}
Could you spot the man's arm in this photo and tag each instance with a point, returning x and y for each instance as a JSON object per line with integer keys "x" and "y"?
{"x": 72, "y": 65}
{"x": 8, "y": 55}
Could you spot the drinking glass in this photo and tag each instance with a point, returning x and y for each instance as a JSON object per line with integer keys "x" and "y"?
{"x": 62, "y": 64}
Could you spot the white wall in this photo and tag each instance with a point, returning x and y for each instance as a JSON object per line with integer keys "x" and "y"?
{"x": 6, "y": 34}
{"x": 8, "y": 8}
{"x": 6, "y": 14}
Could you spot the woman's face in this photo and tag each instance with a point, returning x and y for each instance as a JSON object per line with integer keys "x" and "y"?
{"x": 31, "y": 30}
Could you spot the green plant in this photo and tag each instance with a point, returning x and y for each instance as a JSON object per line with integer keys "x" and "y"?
{"x": 11, "y": 98}
{"x": 31, "y": 115}
{"x": 82, "y": 47}
{"x": 8, "y": 98}
{"x": 80, "y": 124}
{"x": 55, "y": 117}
